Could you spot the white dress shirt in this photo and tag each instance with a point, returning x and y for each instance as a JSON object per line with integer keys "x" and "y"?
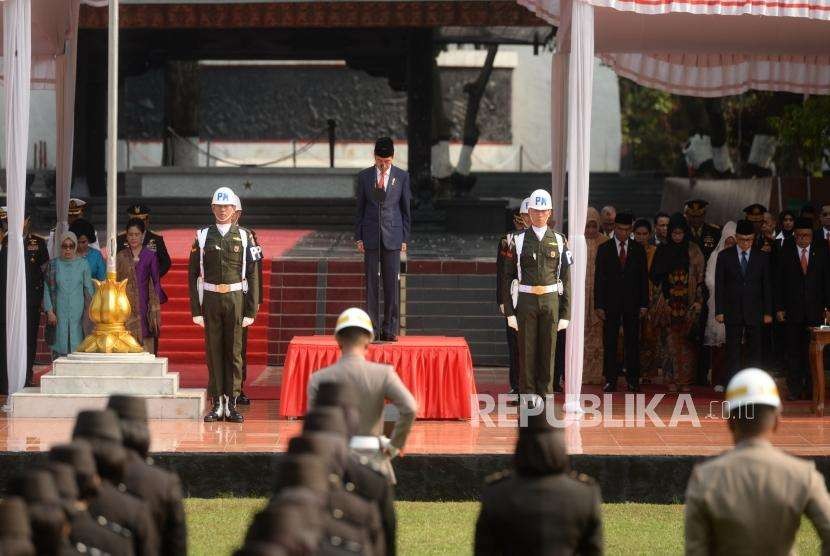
{"x": 540, "y": 232}
{"x": 385, "y": 177}
{"x": 805, "y": 251}
{"x": 223, "y": 228}
{"x": 619, "y": 245}
{"x": 748, "y": 255}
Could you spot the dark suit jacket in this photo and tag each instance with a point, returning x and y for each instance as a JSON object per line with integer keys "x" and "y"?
{"x": 395, "y": 219}
{"x": 616, "y": 289}
{"x": 803, "y": 297}
{"x": 743, "y": 299}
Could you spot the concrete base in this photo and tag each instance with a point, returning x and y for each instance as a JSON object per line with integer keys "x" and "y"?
{"x": 86, "y": 380}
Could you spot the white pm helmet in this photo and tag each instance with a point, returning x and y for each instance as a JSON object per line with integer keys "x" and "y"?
{"x": 354, "y": 317}
{"x": 223, "y": 196}
{"x": 237, "y": 202}
{"x": 524, "y": 206}
{"x": 540, "y": 200}
{"x": 751, "y": 386}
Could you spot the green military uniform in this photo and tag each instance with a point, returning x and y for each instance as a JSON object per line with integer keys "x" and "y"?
{"x": 542, "y": 264}
{"x": 224, "y": 310}
{"x": 255, "y": 244}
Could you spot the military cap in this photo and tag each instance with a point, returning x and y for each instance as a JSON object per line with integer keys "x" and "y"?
{"x": 128, "y": 408}
{"x": 384, "y": 147}
{"x": 76, "y": 206}
{"x": 339, "y": 394}
{"x": 36, "y": 486}
{"x": 745, "y": 228}
{"x": 98, "y": 425}
{"x": 755, "y": 212}
{"x": 14, "y": 520}
{"x": 138, "y": 210}
{"x": 325, "y": 419}
{"x": 802, "y": 223}
{"x": 301, "y": 470}
{"x": 696, "y": 207}
{"x": 624, "y": 218}
{"x": 64, "y": 476}
{"x": 77, "y": 454}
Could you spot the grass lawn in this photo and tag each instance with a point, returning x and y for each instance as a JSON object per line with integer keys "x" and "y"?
{"x": 217, "y": 526}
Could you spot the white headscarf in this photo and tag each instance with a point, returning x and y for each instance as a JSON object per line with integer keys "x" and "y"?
{"x": 728, "y": 231}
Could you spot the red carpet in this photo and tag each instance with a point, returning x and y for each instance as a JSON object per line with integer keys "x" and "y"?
{"x": 182, "y": 341}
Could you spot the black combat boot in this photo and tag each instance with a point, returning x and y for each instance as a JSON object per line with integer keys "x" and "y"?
{"x": 242, "y": 399}
{"x": 216, "y": 412}
{"x": 231, "y": 414}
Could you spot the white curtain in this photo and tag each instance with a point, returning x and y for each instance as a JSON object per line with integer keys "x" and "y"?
{"x": 580, "y": 90}
{"x": 17, "y": 60}
{"x": 559, "y": 126}
{"x": 65, "y": 77}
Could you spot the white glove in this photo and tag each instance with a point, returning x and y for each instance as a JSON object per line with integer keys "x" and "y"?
{"x": 563, "y": 324}
{"x": 512, "y": 322}
{"x": 247, "y": 321}
{"x": 199, "y": 320}
{"x": 501, "y": 308}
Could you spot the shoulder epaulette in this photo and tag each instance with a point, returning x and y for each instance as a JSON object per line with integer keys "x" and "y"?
{"x": 498, "y": 476}
{"x": 583, "y": 478}
{"x": 715, "y": 226}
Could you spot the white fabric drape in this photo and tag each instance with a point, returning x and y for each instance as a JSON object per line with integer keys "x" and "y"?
{"x": 580, "y": 92}
{"x": 65, "y": 77}
{"x": 17, "y": 60}
{"x": 559, "y": 126}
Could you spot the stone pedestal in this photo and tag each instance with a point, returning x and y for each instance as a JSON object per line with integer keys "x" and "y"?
{"x": 86, "y": 380}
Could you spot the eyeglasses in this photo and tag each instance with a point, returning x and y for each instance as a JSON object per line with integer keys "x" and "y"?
{"x": 67, "y": 246}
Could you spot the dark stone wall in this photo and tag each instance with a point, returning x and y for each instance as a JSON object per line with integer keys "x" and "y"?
{"x": 258, "y": 103}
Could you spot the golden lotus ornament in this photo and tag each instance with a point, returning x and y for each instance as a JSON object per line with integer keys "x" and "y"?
{"x": 109, "y": 310}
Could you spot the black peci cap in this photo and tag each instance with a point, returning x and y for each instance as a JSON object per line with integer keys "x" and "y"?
{"x": 384, "y": 147}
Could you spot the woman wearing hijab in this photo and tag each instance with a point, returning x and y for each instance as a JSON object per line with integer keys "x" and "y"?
{"x": 592, "y": 363}
{"x": 67, "y": 283}
{"x": 715, "y": 334}
{"x": 786, "y": 223}
{"x": 678, "y": 272}
{"x": 85, "y": 233}
{"x": 139, "y": 266}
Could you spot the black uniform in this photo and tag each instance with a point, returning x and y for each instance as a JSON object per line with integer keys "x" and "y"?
{"x": 162, "y": 492}
{"x": 551, "y": 514}
{"x": 361, "y": 477}
{"x": 503, "y": 297}
{"x": 707, "y": 238}
{"x": 116, "y": 505}
{"x": 153, "y": 242}
{"x": 98, "y": 532}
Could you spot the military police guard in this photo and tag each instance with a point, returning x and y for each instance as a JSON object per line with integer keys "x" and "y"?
{"x": 705, "y": 235}
{"x": 539, "y": 260}
{"x": 223, "y": 284}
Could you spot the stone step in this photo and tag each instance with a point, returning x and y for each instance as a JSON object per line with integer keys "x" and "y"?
{"x": 166, "y": 385}
{"x": 82, "y": 365}
{"x": 187, "y": 403}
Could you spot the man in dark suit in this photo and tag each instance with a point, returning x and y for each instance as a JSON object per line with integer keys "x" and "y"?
{"x": 802, "y": 296}
{"x": 383, "y": 194}
{"x": 743, "y": 296}
{"x": 621, "y": 296}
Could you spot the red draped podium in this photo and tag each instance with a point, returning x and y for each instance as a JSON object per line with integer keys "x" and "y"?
{"x": 438, "y": 370}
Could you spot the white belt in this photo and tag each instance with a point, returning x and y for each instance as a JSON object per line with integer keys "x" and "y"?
{"x": 223, "y": 288}
{"x": 541, "y": 290}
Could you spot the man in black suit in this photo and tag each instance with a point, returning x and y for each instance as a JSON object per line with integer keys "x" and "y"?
{"x": 383, "y": 193}
{"x": 743, "y": 296}
{"x": 621, "y": 295}
{"x": 802, "y": 296}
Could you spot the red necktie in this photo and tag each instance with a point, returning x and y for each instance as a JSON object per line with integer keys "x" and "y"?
{"x": 380, "y": 181}
{"x": 804, "y": 261}
{"x": 622, "y": 254}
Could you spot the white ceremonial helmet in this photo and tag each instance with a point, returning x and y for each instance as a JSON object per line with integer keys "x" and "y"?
{"x": 751, "y": 386}
{"x": 524, "y": 206}
{"x": 237, "y": 202}
{"x": 540, "y": 200}
{"x": 223, "y": 196}
{"x": 354, "y": 317}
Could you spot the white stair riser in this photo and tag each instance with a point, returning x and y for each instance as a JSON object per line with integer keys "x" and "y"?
{"x": 188, "y": 403}
{"x": 137, "y": 386}
{"x": 71, "y": 368}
